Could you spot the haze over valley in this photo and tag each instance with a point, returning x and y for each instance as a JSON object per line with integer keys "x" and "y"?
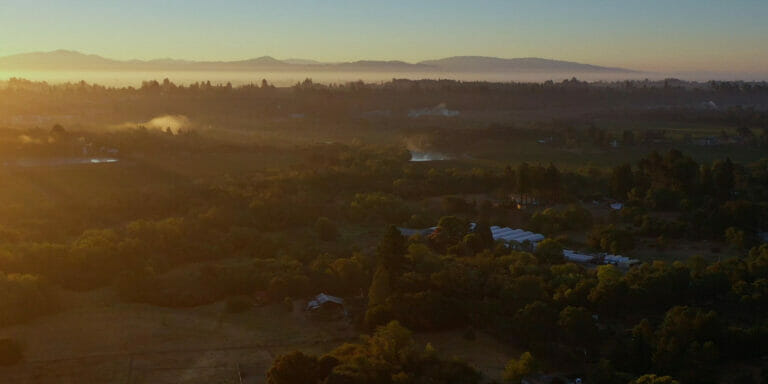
{"x": 63, "y": 65}
{"x": 383, "y": 192}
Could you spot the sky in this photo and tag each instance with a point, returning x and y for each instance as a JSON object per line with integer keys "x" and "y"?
{"x": 651, "y": 35}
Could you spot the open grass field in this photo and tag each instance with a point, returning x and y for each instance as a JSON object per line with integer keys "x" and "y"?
{"x": 98, "y": 339}
{"x": 682, "y": 250}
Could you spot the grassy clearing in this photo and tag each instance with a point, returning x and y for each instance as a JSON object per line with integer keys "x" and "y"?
{"x": 97, "y": 339}
{"x": 682, "y": 250}
{"x": 97, "y": 336}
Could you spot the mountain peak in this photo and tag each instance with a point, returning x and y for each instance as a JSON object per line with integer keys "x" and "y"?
{"x": 266, "y": 58}
{"x": 302, "y": 61}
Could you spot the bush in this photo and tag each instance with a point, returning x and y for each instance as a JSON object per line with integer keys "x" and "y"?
{"x": 289, "y": 285}
{"x": 516, "y": 369}
{"x": 390, "y": 355}
{"x": 736, "y": 238}
{"x": 549, "y": 251}
{"x": 552, "y": 220}
{"x": 611, "y": 239}
{"x": 378, "y": 315}
{"x": 298, "y": 368}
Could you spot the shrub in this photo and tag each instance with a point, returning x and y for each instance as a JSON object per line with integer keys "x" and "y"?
{"x": 549, "y": 251}
{"x": 298, "y": 368}
{"x": 611, "y": 239}
{"x": 516, "y": 369}
{"x": 552, "y": 220}
{"x": 735, "y": 237}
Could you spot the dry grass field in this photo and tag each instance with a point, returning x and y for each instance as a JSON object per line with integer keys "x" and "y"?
{"x": 97, "y": 339}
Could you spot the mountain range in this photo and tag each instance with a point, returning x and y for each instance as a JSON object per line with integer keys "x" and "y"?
{"x": 63, "y": 60}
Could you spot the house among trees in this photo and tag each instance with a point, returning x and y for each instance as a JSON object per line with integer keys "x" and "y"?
{"x": 577, "y": 257}
{"x": 327, "y": 305}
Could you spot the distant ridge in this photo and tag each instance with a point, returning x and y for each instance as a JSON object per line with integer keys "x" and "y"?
{"x": 527, "y": 64}
{"x": 63, "y": 60}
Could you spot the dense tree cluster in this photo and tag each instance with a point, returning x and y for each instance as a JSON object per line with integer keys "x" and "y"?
{"x": 307, "y": 228}
{"x": 550, "y": 306}
{"x": 711, "y": 198}
{"x": 397, "y": 97}
{"x": 390, "y": 355}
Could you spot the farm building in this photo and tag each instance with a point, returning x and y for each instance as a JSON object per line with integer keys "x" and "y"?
{"x": 327, "y": 305}
{"x": 620, "y": 260}
{"x": 408, "y": 232}
{"x": 323, "y": 299}
{"x": 517, "y": 235}
{"x": 574, "y": 256}
{"x": 505, "y": 234}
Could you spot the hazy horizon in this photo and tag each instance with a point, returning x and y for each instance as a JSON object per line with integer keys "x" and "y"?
{"x": 684, "y": 36}
{"x": 62, "y": 66}
{"x": 287, "y": 78}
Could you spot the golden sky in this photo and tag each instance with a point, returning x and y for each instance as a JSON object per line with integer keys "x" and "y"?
{"x": 652, "y": 35}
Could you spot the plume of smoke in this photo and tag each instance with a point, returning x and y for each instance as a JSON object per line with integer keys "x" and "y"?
{"x": 417, "y": 143}
{"x": 421, "y": 149}
{"x": 439, "y": 110}
{"x": 176, "y": 123}
{"x": 27, "y": 139}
